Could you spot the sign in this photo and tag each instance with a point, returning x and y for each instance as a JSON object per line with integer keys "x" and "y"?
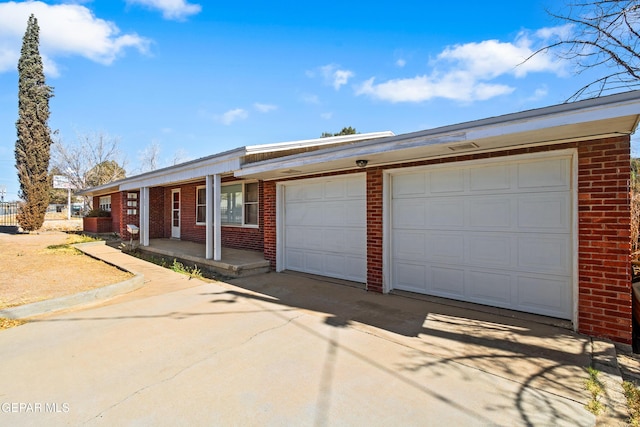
{"x": 61, "y": 181}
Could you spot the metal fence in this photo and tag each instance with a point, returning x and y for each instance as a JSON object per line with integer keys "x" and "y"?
{"x": 8, "y": 212}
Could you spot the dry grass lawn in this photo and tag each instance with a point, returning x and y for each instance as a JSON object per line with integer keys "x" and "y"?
{"x": 34, "y": 267}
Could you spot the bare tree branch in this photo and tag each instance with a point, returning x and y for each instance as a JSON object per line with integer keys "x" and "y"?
{"x": 606, "y": 37}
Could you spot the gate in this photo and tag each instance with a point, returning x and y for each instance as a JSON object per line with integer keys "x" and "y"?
{"x": 8, "y": 212}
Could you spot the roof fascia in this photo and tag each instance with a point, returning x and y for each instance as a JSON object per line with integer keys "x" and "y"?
{"x": 612, "y": 106}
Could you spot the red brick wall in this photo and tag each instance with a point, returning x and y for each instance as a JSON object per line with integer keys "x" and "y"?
{"x": 127, "y": 218}
{"x": 604, "y": 239}
{"x": 232, "y": 237}
{"x": 116, "y": 217}
{"x": 156, "y": 213}
{"x": 269, "y": 221}
{"x": 374, "y": 230}
{"x": 604, "y": 282}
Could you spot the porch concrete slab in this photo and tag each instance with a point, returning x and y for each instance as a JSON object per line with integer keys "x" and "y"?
{"x": 233, "y": 262}
{"x": 287, "y": 349}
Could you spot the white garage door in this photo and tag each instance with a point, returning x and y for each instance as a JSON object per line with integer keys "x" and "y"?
{"x": 498, "y": 234}
{"x": 325, "y": 227}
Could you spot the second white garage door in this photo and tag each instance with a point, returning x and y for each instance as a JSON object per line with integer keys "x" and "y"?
{"x": 325, "y": 227}
{"x": 494, "y": 233}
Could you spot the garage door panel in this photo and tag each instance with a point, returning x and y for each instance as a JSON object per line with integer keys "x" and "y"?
{"x": 444, "y": 212}
{"x": 447, "y": 282}
{"x": 325, "y": 227}
{"x": 489, "y": 287}
{"x": 490, "y": 250}
{"x": 411, "y": 276}
{"x": 552, "y": 173}
{"x": 334, "y": 190}
{"x": 355, "y": 212}
{"x": 410, "y": 246}
{"x": 544, "y": 295}
{"x": 313, "y": 191}
{"x": 498, "y": 234}
{"x": 496, "y": 177}
{"x": 446, "y": 181}
{"x": 489, "y": 212}
{"x": 544, "y": 254}
{"x": 409, "y": 185}
{"x": 445, "y": 247}
{"x": 356, "y": 188}
{"x": 409, "y": 213}
{"x": 545, "y": 212}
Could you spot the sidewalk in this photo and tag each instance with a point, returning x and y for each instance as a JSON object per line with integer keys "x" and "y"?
{"x": 158, "y": 280}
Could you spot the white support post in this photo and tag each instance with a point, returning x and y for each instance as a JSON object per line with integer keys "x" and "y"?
{"x": 144, "y": 216}
{"x": 209, "y": 216}
{"x": 217, "y": 221}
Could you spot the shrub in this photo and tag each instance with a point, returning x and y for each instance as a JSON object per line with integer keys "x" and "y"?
{"x": 98, "y": 213}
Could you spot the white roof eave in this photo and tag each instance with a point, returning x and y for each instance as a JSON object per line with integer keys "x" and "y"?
{"x": 613, "y": 106}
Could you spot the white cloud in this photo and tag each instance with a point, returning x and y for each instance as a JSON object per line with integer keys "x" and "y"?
{"x": 309, "y": 98}
{"x": 326, "y": 116}
{"x": 65, "y": 30}
{"x": 469, "y": 72}
{"x": 232, "y": 116}
{"x": 334, "y": 76}
{"x": 264, "y": 108}
{"x": 539, "y": 93}
{"x": 177, "y": 10}
{"x": 401, "y": 63}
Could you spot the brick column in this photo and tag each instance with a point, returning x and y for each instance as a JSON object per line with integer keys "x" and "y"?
{"x": 269, "y": 220}
{"x": 374, "y": 230}
{"x": 604, "y": 239}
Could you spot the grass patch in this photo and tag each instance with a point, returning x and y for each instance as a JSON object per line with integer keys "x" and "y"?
{"x": 10, "y": 323}
{"x": 596, "y": 389}
{"x": 632, "y": 393}
{"x": 72, "y": 240}
{"x": 192, "y": 272}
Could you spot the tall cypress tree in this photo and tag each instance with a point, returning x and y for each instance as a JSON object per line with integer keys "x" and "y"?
{"x": 33, "y": 146}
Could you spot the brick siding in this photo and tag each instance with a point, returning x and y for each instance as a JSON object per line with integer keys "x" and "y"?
{"x": 604, "y": 278}
{"x": 604, "y": 239}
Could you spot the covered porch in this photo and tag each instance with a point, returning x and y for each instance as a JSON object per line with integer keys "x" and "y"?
{"x": 233, "y": 262}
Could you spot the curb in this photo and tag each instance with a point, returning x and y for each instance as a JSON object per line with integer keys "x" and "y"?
{"x": 75, "y": 300}
{"x": 604, "y": 359}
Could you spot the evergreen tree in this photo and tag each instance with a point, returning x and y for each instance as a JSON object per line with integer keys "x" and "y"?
{"x": 33, "y": 145}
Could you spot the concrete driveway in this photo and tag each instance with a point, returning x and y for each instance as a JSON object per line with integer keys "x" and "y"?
{"x": 286, "y": 349}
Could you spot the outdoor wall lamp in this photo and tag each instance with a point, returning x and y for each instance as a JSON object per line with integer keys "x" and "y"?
{"x": 362, "y": 163}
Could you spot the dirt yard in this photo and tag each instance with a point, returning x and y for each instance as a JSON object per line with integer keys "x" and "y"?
{"x": 38, "y": 266}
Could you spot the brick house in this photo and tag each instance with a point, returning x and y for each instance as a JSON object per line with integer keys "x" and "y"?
{"x": 527, "y": 211}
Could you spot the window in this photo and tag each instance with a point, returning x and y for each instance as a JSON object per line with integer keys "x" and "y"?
{"x": 231, "y": 204}
{"x": 251, "y": 203}
{"x": 238, "y": 204}
{"x": 201, "y": 205}
{"x": 105, "y": 203}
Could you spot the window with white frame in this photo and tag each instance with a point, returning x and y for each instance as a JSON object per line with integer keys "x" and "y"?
{"x": 238, "y": 204}
{"x": 105, "y": 203}
{"x": 201, "y": 204}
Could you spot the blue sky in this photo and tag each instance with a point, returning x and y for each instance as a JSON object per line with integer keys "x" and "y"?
{"x": 195, "y": 77}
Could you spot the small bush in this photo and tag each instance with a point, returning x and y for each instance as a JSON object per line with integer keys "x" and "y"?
{"x": 98, "y": 213}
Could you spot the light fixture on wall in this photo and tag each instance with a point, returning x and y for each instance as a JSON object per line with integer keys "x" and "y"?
{"x": 362, "y": 163}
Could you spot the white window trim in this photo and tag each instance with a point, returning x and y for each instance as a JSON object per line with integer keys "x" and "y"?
{"x": 226, "y": 184}
{"x": 244, "y": 184}
{"x": 200, "y": 187}
{"x": 104, "y": 206}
